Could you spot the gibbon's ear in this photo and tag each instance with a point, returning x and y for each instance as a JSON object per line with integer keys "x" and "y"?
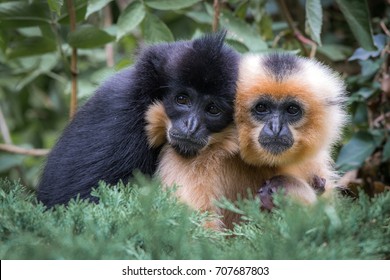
{"x": 150, "y": 69}
{"x": 157, "y": 125}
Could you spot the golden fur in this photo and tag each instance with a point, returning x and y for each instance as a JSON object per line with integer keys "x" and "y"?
{"x": 320, "y": 91}
{"x": 217, "y": 171}
{"x": 233, "y": 162}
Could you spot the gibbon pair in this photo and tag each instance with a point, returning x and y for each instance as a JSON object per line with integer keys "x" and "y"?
{"x": 288, "y": 114}
{"x": 106, "y": 140}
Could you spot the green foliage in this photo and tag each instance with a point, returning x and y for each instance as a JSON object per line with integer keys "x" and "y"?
{"x": 143, "y": 222}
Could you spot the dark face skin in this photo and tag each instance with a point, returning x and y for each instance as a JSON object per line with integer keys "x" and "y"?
{"x": 277, "y": 115}
{"x": 194, "y": 117}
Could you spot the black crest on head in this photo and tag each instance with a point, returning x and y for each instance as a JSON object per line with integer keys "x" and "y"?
{"x": 208, "y": 65}
{"x": 281, "y": 65}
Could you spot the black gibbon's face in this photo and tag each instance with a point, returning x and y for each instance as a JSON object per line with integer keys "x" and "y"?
{"x": 276, "y": 117}
{"x": 194, "y": 117}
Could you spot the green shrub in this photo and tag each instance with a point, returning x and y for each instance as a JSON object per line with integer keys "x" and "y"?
{"x": 141, "y": 221}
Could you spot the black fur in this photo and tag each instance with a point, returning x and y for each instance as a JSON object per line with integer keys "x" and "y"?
{"x": 281, "y": 65}
{"x": 106, "y": 139}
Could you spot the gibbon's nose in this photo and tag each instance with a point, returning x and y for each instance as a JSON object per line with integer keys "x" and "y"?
{"x": 191, "y": 125}
{"x": 275, "y": 126}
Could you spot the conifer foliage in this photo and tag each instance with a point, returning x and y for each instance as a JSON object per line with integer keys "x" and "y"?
{"x": 141, "y": 221}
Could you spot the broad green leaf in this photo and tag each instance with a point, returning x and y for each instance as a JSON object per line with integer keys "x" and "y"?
{"x": 55, "y": 5}
{"x": 95, "y": 5}
{"x": 362, "y": 54}
{"x": 81, "y": 9}
{"x": 31, "y": 46}
{"x": 130, "y": 18}
{"x": 170, "y": 4}
{"x": 335, "y": 52}
{"x": 23, "y": 14}
{"x": 369, "y": 67}
{"x": 361, "y": 114}
{"x": 43, "y": 64}
{"x": 240, "y": 31}
{"x": 200, "y": 17}
{"x": 353, "y": 154}
{"x": 87, "y": 37}
{"x": 240, "y": 11}
{"x": 8, "y": 161}
{"x": 314, "y": 19}
{"x": 357, "y": 14}
{"x": 155, "y": 30}
{"x": 386, "y": 151}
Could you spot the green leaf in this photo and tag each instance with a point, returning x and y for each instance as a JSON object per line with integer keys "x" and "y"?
{"x": 240, "y": 11}
{"x": 9, "y": 161}
{"x": 386, "y": 151}
{"x": 200, "y": 17}
{"x": 155, "y": 30}
{"x": 361, "y": 114}
{"x": 353, "y": 154}
{"x": 314, "y": 19}
{"x": 170, "y": 4}
{"x": 335, "y": 52}
{"x": 130, "y": 18}
{"x": 362, "y": 54}
{"x": 81, "y": 9}
{"x": 240, "y": 31}
{"x": 87, "y": 37}
{"x": 369, "y": 67}
{"x": 30, "y": 46}
{"x": 55, "y": 5}
{"x": 357, "y": 14}
{"x": 23, "y": 14}
{"x": 95, "y": 5}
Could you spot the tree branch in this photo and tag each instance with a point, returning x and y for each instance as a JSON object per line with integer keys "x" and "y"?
{"x": 302, "y": 40}
{"x": 109, "y": 48}
{"x": 216, "y": 15}
{"x": 4, "y": 129}
{"x": 23, "y": 151}
{"x": 73, "y": 64}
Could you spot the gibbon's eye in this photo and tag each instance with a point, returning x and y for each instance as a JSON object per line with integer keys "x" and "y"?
{"x": 293, "y": 110}
{"x": 261, "y": 108}
{"x": 182, "y": 99}
{"x": 213, "y": 109}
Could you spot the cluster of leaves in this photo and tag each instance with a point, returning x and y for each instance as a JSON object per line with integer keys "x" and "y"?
{"x": 128, "y": 222}
{"x": 36, "y": 42}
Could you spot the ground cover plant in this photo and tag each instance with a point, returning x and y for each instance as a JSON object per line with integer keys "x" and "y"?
{"x": 141, "y": 221}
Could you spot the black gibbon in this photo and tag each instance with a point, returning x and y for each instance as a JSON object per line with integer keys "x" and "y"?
{"x": 285, "y": 124}
{"x": 106, "y": 140}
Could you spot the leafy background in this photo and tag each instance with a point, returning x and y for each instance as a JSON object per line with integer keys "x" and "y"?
{"x": 47, "y": 48}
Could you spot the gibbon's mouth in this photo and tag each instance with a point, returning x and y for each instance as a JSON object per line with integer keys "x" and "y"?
{"x": 276, "y": 145}
{"x": 185, "y": 145}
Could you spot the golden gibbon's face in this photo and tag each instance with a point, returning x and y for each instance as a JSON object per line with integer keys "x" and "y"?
{"x": 287, "y": 109}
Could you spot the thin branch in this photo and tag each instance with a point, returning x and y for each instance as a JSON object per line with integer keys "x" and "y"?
{"x": 73, "y": 63}
{"x": 109, "y": 48}
{"x": 384, "y": 28}
{"x": 9, "y": 148}
{"x": 4, "y": 129}
{"x": 302, "y": 40}
{"x": 216, "y": 15}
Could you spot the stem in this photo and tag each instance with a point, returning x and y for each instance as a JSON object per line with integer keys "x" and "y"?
{"x": 4, "y": 129}
{"x": 73, "y": 63}
{"x": 23, "y": 151}
{"x": 302, "y": 40}
{"x": 216, "y": 15}
{"x": 109, "y": 48}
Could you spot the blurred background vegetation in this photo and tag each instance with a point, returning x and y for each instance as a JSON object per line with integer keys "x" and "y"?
{"x": 48, "y": 47}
